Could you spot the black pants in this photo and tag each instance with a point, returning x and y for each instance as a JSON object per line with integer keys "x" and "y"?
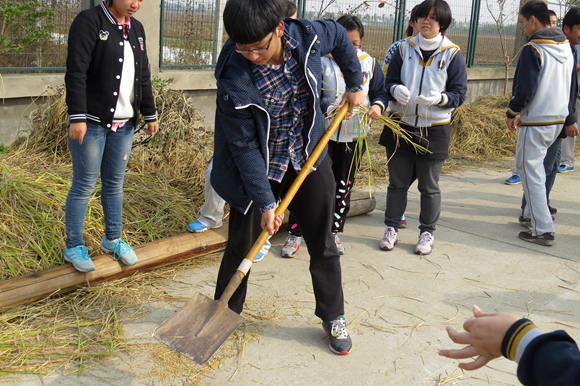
{"x": 312, "y": 207}
{"x": 346, "y": 158}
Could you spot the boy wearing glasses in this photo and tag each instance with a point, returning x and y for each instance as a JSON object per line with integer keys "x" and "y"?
{"x": 268, "y": 121}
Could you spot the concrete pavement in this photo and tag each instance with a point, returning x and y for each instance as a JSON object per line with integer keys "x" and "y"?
{"x": 401, "y": 302}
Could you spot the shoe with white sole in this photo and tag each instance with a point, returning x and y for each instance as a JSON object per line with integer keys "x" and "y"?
{"x": 290, "y": 249}
{"x": 425, "y": 243}
{"x": 389, "y": 239}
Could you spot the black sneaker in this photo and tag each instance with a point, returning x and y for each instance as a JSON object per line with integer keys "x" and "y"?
{"x": 526, "y": 222}
{"x": 338, "y": 339}
{"x": 553, "y": 210}
{"x": 543, "y": 239}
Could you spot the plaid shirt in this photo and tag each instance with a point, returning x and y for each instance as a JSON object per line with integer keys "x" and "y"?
{"x": 284, "y": 93}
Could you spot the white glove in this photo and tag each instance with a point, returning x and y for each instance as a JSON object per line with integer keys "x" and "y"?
{"x": 402, "y": 94}
{"x": 434, "y": 98}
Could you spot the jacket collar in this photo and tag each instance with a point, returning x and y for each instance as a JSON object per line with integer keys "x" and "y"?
{"x": 234, "y": 72}
{"x": 113, "y": 19}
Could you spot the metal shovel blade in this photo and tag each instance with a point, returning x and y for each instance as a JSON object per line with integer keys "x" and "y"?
{"x": 198, "y": 329}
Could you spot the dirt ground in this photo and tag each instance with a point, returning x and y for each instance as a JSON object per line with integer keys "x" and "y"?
{"x": 399, "y": 303}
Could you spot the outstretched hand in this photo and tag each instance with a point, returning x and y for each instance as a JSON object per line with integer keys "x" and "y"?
{"x": 483, "y": 334}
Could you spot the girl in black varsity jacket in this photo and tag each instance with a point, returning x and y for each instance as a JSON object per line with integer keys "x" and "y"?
{"x": 107, "y": 84}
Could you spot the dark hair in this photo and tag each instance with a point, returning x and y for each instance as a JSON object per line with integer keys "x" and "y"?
{"x": 538, "y": 9}
{"x": 441, "y": 10}
{"x": 250, "y": 21}
{"x": 572, "y": 17}
{"x": 412, "y": 18}
{"x": 352, "y": 23}
{"x": 289, "y": 8}
{"x": 552, "y": 13}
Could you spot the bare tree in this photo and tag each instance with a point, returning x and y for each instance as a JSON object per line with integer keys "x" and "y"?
{"x": 364, "y": 5}
{"x": 500, "y": 20}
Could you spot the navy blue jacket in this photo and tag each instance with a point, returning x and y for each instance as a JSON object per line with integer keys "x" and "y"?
{"x": 242, "y": 123}
{"x": 549, "y": 360}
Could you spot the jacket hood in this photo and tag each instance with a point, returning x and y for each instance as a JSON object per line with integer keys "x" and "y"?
{"x": 553, "y": 42}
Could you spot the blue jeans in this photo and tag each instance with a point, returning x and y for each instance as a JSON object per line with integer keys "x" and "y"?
{"x": 106, "y": 152}
{"x": 551, "y": 163}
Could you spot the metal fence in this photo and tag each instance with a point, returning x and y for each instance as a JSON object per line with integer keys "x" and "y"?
{"x": 187, "y": 33}
{"x": 191, "y": 36}
{"x": 188, "y": 27}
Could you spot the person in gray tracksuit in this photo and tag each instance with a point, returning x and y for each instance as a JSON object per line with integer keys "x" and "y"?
{"x": 541, "y": 95}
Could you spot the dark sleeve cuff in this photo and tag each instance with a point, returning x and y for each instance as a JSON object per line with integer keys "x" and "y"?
{"x": 510, "y": 114}
{"x": 514, "y": 336}
{"x": 74, "y": 118}
{"x": 150, "y": 118}
{"x": 268, "y": 207}
{"x": 354, "y": 89}
{"x": 380, "y": 104}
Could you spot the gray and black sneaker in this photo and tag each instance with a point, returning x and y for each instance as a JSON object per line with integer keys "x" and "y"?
{"x": 546, "y": 239}
{"x": 339, "y": 341}
{"x": 526, "y": 222}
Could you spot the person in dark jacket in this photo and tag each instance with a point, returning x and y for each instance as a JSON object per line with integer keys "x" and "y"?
{"x": 107, "y": 84}
{"x": 544, "y": 359}
{"x": 268, "y": 121}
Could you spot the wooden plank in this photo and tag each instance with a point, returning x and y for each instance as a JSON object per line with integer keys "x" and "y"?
{"x": 63, "y": 279}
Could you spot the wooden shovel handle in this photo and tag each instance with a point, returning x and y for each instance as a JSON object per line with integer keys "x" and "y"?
{"x": 298, "y": 181}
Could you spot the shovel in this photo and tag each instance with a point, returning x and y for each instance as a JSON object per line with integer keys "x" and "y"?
{"x": 198, "y": 329}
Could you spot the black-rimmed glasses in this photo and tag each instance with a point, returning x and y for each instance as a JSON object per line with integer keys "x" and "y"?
{"x": 257, "y": 50}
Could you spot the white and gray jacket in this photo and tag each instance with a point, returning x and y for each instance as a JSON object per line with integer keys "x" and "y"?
{"x": 333, "y": 88}
{"x": 543, "y": 79}
{"x": 443, "y": 72}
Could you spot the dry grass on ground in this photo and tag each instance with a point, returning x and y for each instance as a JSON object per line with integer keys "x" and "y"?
{"x": 163, "y": 185}
{"x": 82, "y": 330}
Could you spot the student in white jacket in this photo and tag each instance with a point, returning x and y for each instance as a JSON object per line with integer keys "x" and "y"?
{"x": 425, "y": 81}
{"x": 348, "y": 144}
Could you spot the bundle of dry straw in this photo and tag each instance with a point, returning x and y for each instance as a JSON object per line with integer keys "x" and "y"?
{"x": 163, "y": 185}
{"x": 479, "y": 129}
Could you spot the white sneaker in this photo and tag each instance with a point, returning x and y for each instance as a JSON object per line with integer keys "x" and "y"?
{"x": 425, "y": 244}
{"x": 291, "y": 247}
{"x": 389, "y": 239}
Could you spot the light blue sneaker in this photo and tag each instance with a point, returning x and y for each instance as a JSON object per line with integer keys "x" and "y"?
{"x": 565, "y": 168}
{"x": 79, "y": 257}
{"x": 513, "y": 180}
{"x": 120, "y": 250}
{"x": 259, "y": 257}
{"x": 196, "y": 227}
